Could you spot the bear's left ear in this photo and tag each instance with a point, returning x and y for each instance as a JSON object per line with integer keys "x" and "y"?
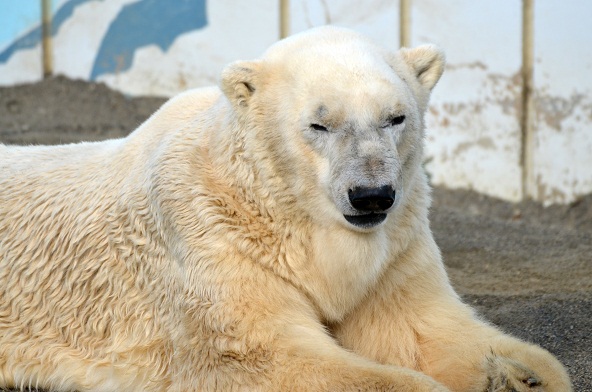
{"x": 240, "y": 81}
{"x": 426, "y": 62}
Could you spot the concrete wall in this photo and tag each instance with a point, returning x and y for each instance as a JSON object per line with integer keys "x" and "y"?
{"x": 492, "y": 127}
{"x": 474, "y": 122}
{"x": 562, "y": 118}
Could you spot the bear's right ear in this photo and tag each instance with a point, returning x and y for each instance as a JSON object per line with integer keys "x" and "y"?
{"x": 240, "y": 81}
{"x": 426, "y": 63}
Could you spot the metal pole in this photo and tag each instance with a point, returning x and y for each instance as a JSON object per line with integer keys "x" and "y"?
{"x": 405, "y": 23}
{"x": 526, "y": 126}
{"x": 47, "y": 50}
{"x": 284, "y": 18}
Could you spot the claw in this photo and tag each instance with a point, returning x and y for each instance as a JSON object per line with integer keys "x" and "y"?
{"x": 531, "y": 382}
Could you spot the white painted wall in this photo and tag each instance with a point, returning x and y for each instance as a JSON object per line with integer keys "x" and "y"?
{"x": 562, "y": 156}
{"x": 379, "y": 19}
{"x": 473, "y": 138}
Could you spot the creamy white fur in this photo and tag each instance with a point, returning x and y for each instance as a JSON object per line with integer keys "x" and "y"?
{"x": 209, "y": 250}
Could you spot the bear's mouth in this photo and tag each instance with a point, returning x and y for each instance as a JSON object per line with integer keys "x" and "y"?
{"x": 366, "y": 221}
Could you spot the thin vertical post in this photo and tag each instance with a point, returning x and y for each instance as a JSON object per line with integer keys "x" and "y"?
{"x": 47, "y": 50}
{"x": 526, "y": 126}
{"x": 284, "y": 18}
{"x": 404, "y": 23}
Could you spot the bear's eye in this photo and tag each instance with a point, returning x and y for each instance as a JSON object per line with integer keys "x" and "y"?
{"x": 318, "y": 127}
{"x": 394, "y": 121}
{"x": 398, "y": 120}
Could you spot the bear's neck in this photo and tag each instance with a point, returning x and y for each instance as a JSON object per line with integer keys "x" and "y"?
{"x": 248, "y": 168}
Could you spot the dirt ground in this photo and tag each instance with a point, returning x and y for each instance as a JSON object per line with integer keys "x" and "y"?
{"x": 526, "y": 268}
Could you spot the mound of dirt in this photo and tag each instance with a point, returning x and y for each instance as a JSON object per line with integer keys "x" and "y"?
{"x": 59, "y": 110}
{"x": 526, "y": 268}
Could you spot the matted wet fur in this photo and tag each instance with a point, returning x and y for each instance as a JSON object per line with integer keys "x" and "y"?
{"x": 269, "y": 236}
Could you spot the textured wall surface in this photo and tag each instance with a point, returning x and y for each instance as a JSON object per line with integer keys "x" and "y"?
{"x": 474, "y": 127}
{"x": 475, "y": 123}
{"x": 562, "y": 123}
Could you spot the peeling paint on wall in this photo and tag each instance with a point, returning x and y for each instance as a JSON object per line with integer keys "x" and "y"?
{"x": 562, "y": 158}
{"x": 473, "y": 136}
{"x": 553, "y": 110}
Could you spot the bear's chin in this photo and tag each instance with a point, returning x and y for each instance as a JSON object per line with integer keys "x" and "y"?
{"x": 367, "y": 221}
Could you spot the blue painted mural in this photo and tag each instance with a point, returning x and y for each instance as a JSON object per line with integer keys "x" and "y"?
{"x": 148, "y": 22}
{"x": 142, "y": 23}
{"x": 33, "y": 37}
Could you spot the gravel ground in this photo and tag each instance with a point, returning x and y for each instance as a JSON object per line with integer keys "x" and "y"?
{"x": 526, "y": 268}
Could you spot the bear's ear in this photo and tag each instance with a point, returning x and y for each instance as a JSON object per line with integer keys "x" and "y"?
{"x": 426, "y": 62}
{"x": 240, "y": 81}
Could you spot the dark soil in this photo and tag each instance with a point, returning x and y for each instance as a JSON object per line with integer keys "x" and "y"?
{"x": 61, "y": 110}
{"x": 526, "y": 268}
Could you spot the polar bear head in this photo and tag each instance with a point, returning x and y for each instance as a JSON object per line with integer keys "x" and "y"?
{"x": 338, "y": 120}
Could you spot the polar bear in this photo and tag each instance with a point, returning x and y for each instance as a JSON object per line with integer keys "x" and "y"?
{"x": 269, "y": 235}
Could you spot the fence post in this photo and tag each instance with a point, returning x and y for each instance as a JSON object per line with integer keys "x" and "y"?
{"x": 526, "y": 126}
{"x": 404, "y": 23}
{"x": 47, "y": 50}
{"x": 284, "y": 18}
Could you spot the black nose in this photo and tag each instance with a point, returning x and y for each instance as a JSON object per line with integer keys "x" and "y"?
{"x": 372, "y": 199}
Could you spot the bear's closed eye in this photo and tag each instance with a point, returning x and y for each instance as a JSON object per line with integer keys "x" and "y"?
{"x": 318, "y": 127}
{"x": 397, "y": 120}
